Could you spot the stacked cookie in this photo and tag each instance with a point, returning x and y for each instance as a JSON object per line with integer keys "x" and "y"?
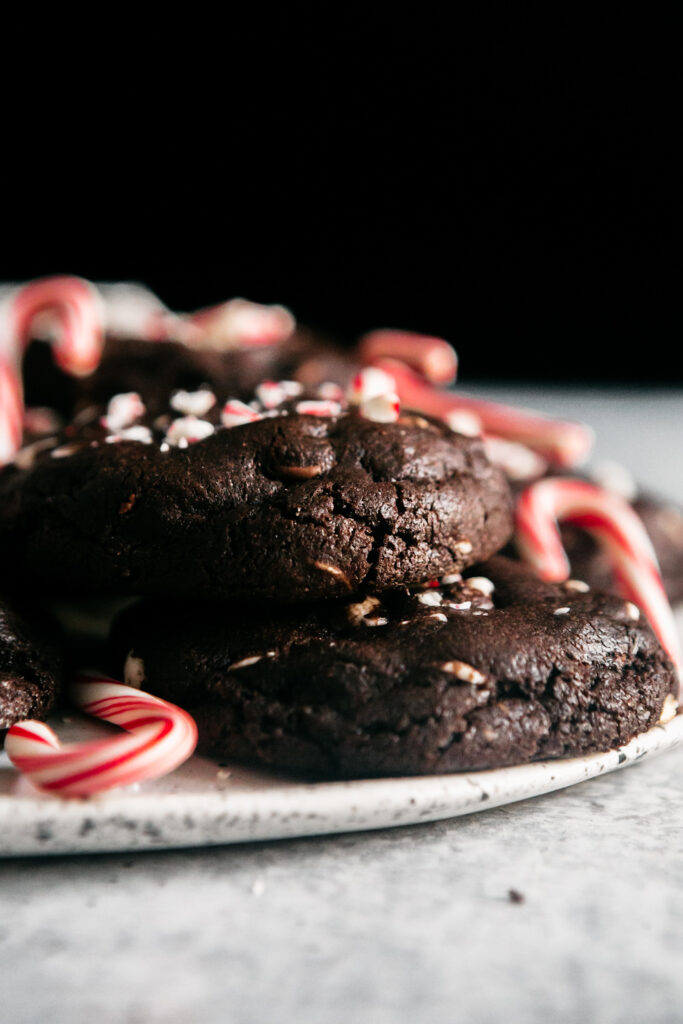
{"x": 318, "y": 560}
{"x": 321, "y": 592}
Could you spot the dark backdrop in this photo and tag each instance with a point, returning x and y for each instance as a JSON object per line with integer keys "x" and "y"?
{"x": 516, "y": 198}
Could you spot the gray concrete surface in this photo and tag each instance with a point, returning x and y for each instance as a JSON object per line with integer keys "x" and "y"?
{"x": 413, "y": 925}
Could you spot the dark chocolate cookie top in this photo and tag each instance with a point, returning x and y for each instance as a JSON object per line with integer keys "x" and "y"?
{"x": 490, "y": 670}
{"x": 31, "y": 667}
{"x": 290, "y": 497}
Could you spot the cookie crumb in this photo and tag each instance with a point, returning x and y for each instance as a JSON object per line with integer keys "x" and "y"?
{"x": 127, "y": 505}
{"x": 515, "y": 896}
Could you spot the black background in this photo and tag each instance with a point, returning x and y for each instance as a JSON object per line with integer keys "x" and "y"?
{"x": 513, "y": 191}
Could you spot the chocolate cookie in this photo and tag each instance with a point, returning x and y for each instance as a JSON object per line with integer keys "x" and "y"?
{"x": 31, "y": 667}
{"x": 492, "y": 670}
{"x": 156, "y": 369}
{"x": 272, "y": 500}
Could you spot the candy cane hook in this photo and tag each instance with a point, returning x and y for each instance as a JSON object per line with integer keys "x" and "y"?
{"x": 71, "y": 305}
{"x": 159, "y": 736}
{"x": 618, "y": 531}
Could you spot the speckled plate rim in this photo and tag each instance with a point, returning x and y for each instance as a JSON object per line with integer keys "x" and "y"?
{"x": 203, "y": 804}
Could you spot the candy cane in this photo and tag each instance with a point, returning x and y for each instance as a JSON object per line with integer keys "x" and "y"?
{"x": 133, "y": 311}
{"x": 11, "y": 410}
{"x": 239, "y": 323}
{"x": 159, "y": 736}
{"x": 434, "y": 358}
{"x": 616, "y": 528}
{"x": 561, "y": 442}
{"x": 71, "y": 305}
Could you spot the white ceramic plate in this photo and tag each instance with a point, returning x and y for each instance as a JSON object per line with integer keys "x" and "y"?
{"x": 204, "y": 804}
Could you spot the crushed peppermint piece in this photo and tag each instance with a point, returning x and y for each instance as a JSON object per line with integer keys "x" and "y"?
{"x": 481, "y": 583}
{"x": 246, "y": 662}
{"x": 578, "y": 585}
{"x": 292, "y": 388}
{"x": 271, "y": 393}
{"x": 669, "y": 709}
{"x": 463, "y": 422}
{"x": 632, "y": 610}
{"x": 188, "y": 430}
{"x": 459, "y": 606}
{"x": 319, "y": 408}
{"x": 122, "y": 411}
{"x": 369, "y": 383}
{"x": 463, "y": 671}
{"x": 331, "y": 391}
{"x": 431, "y": 597}
{"x": 357, "y": 613}
{"x": 193, "y": 403}
{"x": 383, "y": 408}
{"x": 463, "y": 547}
{"x": 235, "y": 413}
{"x": 439, "y": 616}
{"x": 451, "y": 577}
{"x": 562, "y": 611}
{"x": 138, "y": 433}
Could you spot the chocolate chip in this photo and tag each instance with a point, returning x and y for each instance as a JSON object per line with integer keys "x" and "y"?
{"x": 299, "y": 472}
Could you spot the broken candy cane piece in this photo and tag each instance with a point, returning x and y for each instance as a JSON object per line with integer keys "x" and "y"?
{"x": 73, "y": 311}
{"x": 381, "y": 409}
{"x": 159, "y": 736}
{"x": 235, "y": 413}
{"x": 239, "y": 323}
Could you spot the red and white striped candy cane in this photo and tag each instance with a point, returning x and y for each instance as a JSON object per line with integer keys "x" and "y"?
{"x": 73, "y": 309}
{"x": 561, "y": 442}
{"x": 132, "y": 310}
{"x": 618, "y": 531}
{"x": 434, "y": 358}
{"x": 159, "y": 736}
{"x": 11, "y": 410}
{"x": 239, "y": 323}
